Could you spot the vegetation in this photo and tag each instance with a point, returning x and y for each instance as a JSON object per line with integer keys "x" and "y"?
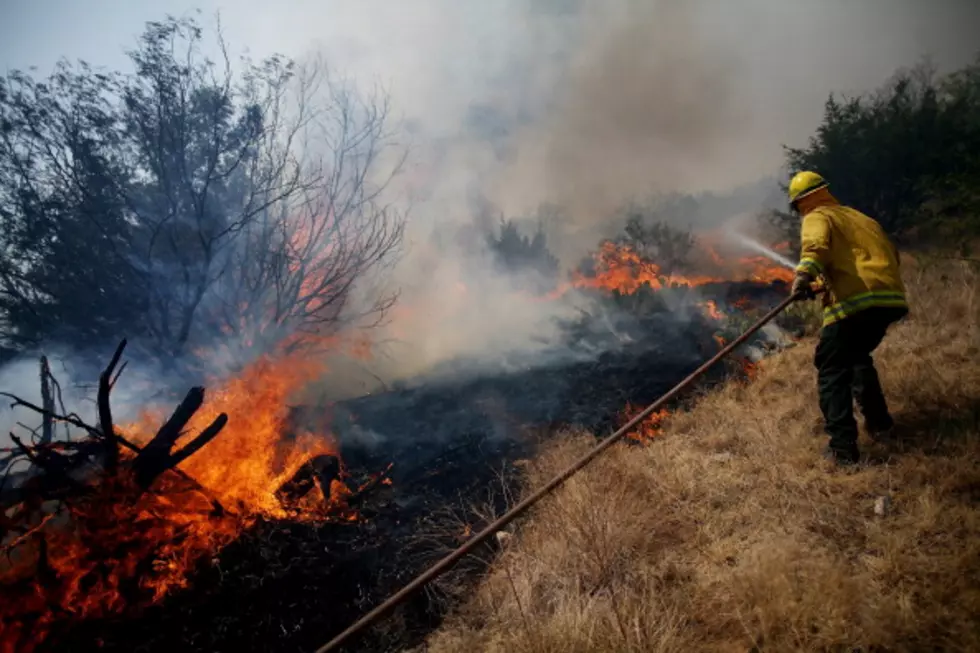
{"x": 656, "y": 241}
{"x": 515, "y": 252}
{"x": 187, "y": 199}
{"x": 907, "y": 154}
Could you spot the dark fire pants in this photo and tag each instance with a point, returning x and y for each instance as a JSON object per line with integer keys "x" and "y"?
{"x": 846, "y": 373}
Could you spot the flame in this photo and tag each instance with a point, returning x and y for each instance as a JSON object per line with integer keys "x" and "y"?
{"x": 620, "y": 268}
{"x": 113, "y": 553}
{"x": 742, "y": 303}
{"x": 749, "y": 369}
{"x": 710, "y": 309}
{"x": 250, "y": 458}
{"x": 123, "y": 548}
{"x": 762, "y": 270}
{"x": 649, "y": 428}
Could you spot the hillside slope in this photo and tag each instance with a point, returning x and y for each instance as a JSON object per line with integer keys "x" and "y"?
{"x": 729, "y": 533}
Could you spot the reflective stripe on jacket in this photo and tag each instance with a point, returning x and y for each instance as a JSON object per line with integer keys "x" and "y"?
{"x": 855, "y": 257}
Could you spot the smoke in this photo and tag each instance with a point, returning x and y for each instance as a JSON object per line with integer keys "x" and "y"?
{"x": 587, "y": 104}
{"x": 74, "y": 391}
{"x": 583, "y": 104}
{"x": 641, "y": 103}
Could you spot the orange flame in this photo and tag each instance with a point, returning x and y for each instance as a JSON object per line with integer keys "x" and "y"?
{"x": 621, "y": 268}
{"x": 762, "y": 270}
{"x": 649, "y": 428}
{"x": 249, "y": 459}
{"x": 710, "y": 309}
{"x": 750, "y": 369}
{"x": 114, "y": 553}
{"x": 122, "y": 547}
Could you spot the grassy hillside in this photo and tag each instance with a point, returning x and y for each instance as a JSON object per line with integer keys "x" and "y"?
{"x": 730, "y": 533}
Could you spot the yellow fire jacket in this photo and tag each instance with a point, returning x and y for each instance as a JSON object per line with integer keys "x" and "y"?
{"x": 857, "y": 261}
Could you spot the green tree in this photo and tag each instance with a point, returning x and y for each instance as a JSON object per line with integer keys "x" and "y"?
{"x": 520, "y": 253}
{"x": 907, "y": 154}
{"x": 65, "y": 228}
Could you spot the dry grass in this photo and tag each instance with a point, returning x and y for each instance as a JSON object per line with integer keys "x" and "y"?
{"x": 731, "y": 534}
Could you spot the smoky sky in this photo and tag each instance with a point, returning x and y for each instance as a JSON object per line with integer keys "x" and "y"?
{"x": 573, "y": 101}
{"x": 582, "y": 103}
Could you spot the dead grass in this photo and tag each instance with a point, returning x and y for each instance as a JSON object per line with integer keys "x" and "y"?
{"x": 731, "y": 534}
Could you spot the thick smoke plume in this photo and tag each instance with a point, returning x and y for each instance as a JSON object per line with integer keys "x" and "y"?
{"x": 588, "y": 104}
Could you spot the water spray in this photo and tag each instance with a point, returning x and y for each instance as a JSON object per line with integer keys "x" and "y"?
{"x": 768, "y": 252}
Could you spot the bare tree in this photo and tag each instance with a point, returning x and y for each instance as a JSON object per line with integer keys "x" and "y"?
{"x": 294, "y": 266}
{"x": 217, "y": 154}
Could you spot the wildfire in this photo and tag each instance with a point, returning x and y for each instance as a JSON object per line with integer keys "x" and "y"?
{"x": 251, "y": 458}
{"x": 749, "y": 368}
{"x": 119, "y": 547}
{"x": 649, "y": 428}
{"x": 710, "y": 309}
{"x": 762, "y": 270}
{"x": 742, "y": 303}
{"x": 622, "y": 269}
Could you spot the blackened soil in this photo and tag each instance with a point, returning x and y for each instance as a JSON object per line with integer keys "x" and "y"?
{"x": 286, "y": 586}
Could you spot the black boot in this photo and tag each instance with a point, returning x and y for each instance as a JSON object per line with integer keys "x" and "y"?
{"x": 841, "y": 458}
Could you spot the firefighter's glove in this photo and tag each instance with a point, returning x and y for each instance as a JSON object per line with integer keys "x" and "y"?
{"x": 803, "y": 287}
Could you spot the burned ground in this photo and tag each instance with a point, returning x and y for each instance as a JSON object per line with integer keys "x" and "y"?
{"x": 458, "y": 445}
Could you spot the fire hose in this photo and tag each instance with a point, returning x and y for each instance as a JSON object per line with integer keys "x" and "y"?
{"x": 452, "y": 558}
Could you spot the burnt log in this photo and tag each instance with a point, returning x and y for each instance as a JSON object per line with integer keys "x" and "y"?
{"x": 105, "y": 411}
{"x": 317, "y": 471}
{"x": 47, "y": 402}
{"x": 157, "y": 456}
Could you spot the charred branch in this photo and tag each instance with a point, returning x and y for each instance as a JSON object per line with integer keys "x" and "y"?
{"x": 47, "y": 402}
{"x": 157, "y": 457}
{"x": 70, "y": 419}
{"x": 122, "y": 367}
{"x": 105, "y": 410}
{"x": 55, "y": 467}
{"x": 168, "y": 434}
{"x": 205, "y": 436}
{"x": 376, "y": 481}
{"x": 90, "y": 450}
{"x": 24, "y": 536}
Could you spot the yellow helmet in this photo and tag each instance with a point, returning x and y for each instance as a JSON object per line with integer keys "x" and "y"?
{"x": 804, "y": 183}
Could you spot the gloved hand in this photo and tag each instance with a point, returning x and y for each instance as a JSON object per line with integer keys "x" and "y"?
{"x": 803, "y": 287}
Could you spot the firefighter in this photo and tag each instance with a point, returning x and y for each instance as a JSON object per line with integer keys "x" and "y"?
{"x": 850, "y": 255}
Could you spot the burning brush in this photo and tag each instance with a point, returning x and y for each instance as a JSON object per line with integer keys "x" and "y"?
{"x": 109, "y": 522}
